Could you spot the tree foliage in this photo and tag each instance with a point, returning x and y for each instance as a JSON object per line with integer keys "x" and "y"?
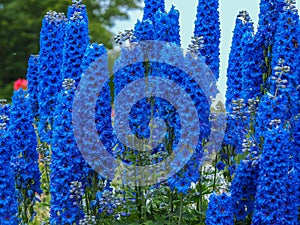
{"x": 20, "y": 24}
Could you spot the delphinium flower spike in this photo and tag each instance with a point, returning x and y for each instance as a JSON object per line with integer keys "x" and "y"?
{"x": 25, "y": 157}
{"x": 67, "y": 162}
{"x": 49, "y": 73}
{"x": 207, "y": 25}
{"x": 286, "y": 49}
{"x": 8, "y": 195}
{"x": 276, "y": 200}
{"x": 268, "y": 17}
{"x": 234, "y": 101}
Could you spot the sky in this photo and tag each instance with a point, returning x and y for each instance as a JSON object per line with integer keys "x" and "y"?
{"x": 228, "y": 9}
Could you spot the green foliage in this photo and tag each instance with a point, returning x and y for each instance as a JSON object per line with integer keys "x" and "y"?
{"x": 6, "y": 90}
{"x": 20, "y": 24}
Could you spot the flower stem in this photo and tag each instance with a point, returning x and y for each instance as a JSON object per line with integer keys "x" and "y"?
{"x": 181, "y": 209}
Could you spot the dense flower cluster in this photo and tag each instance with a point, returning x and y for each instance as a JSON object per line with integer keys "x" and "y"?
{"x": 8, "y": 200}
{"x": 207, "y": 25}
{"x": 49, "y": 72}
{"x": 251, "y": 67}
{"x": 76, "y": 41}
{"x": 259, "y": 162}
{"x": 286, "y": 49}
{"x": 243, "y": 189}
{"x": 23, "y": 145}
{"x": 77, "y": 11}
{"x": 276, "y": 198}
{"x": 219, "y": 210}
{"x": 151, "y": 7}
{"x": 66, "y": 164}
{"x": 235, "y": 124}
{"x": 268, "y": 16}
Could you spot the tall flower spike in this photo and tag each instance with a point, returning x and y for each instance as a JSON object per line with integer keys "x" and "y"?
{"x": 286, "y": 48}
{"x": 50, "y": 78}
{"x": 235, "y": 124}
{"x": 25, "y": 157}
{"x": 276, "y": 200}
{"x": 252, "y": 60}
{"x": 8, "y": 196}
{"x": 63, "y": 209}
{"x": 76, "y": 42}
{"x": 207, "y": 25}
{"x": 66, "y": 162}
{"x": 234, "y": 70}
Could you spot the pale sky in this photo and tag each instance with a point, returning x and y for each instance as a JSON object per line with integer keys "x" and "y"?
{"x": 187, "y": 8}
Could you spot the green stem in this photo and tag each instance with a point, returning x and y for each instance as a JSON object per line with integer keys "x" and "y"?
{"x": 181, "y": 209}
{"x": 87, "y": 203}
{"x": 171, "y": 206}
{"x": 200, "y": 199}
{"x": 215, "y": 173}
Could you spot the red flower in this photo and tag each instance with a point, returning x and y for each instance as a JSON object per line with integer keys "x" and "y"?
{"x": 20, "y": 83}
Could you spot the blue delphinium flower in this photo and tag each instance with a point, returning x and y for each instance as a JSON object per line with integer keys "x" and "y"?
{"x": 167, "y": 26}
{"x": 49, "y": 73}
{"x": 151, "y": 7}
{"x": 220, "y": 165}
{"x": 76, "y": 8}
{"x": 95, "y": 68}
{"x": 296, "y": 149}
{"x": 75, "y": 43}
{"x": 95, "y": 63}
{"x": 243, "y": 189}
{"x": 243, "y": 24}
{"x": 207, "y": 25}
{"x": 33, "y": 82}
{"x": 273, "y": 106}
{"x": 66, "y": 162}
{"x": 219, "y": 210}
{"x": 268, "y": 17}
{"x": 159, "y": 28}
{"x": 23, "y": 144}
{"x": 276, "y": 200}
{"x": 8, "y": 196}
{"x": 286, "y": 49}
{"x": 235, "y": 122}
{"x": 252, "y": 60}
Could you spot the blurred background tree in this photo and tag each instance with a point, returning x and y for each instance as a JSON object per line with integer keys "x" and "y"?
{"x": 20, "y": 24}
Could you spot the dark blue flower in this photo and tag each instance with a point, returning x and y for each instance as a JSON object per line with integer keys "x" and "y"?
{"x": 243, "y": 189}
{"x": 151, "y": 7}
{"x": 220, "y": 165}
{"x": 235, "y": 129}
{"x": 220, "y": 210}
{"x": 276, "y": 200}
{"x": 8, "y": 195}
{"x": 23, "y": 144}
{"x": 207, "y": 24}
{"x": 49, "y": 73}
